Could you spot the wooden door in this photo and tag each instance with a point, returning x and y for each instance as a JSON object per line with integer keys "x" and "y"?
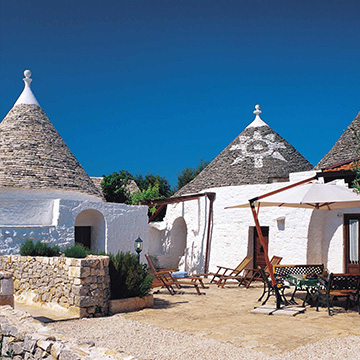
{"x": 83, "y": 235}
{"x": 352, "y": 243}
{"x": 259, "y": 257}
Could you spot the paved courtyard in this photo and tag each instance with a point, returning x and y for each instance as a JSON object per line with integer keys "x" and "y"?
{"x": 220, "y": 320}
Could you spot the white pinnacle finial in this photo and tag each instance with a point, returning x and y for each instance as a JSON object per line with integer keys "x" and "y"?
{"x": 257, "y": 110}
{"x": 258, "y": 122}
{"x": 27, "y": 96}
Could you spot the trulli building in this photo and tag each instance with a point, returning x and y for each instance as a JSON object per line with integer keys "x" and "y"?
{"x": 199, "y": 233}
{"x": 46, "y": 195}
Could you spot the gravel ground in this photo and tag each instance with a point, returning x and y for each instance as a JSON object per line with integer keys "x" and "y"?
{"x": 145, "y": 341}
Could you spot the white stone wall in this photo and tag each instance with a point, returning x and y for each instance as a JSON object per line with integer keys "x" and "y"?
{"x": 52, "y": 220}
{"x": 300, "y": 236}
{"x": 26, "y": 212}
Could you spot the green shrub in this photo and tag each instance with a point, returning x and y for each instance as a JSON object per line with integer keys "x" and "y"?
{"x": 39, "y": 249}
{"x": 78, "y": 251}
{"x": 128, "y": 278}
{"x": 27, "y": 248}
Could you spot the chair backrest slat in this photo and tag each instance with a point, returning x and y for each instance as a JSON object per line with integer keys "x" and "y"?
{"x": 151, "y": 264}
{"x": 308, "y": 269}
{"x": 275, "y": 260}
{"x": 343, "y": 282}
{"x": 242, "y": 265}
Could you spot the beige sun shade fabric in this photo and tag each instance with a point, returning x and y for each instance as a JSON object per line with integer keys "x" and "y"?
{"x": 311, "y": 196}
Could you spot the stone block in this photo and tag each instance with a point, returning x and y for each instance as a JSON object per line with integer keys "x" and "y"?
{"x": 29, "y": 356}
{"x": 94, "y": 272}
{"x": 56, "y": 350}
{"x": 39, "y": 353}
{"x": 83, "y": 313}
{"x": 69, "y": 355}
{"x": 79, "y": 272}
{"x": 5, "y": 345}
{"x": 16, "y": 347}
{"x": 86, "y": 301}
{"x": 6, "y": 286}
{"x": 44, "y": 345}
{"x": 9, "y": 330}
{"x": 81, "y": 290}
{"x": 90, "y": 280}
{"x": 93, "y": 263}
{"x": 77, "y": 281}
{"x": 74, "y": 271}
{"x": 29, "y": 344}
{"x": 7, "y": 300}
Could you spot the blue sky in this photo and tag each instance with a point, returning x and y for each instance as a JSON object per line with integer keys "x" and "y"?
{"x": 153, "y": 86}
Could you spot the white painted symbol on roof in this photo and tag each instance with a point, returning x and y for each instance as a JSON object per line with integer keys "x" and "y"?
{"x": 258, "y": 147}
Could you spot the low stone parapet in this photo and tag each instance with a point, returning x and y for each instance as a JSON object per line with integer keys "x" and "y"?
{"x": 22, "y": 337}
{"x": 130, "y": 304}
{"x": 79, "y": 286}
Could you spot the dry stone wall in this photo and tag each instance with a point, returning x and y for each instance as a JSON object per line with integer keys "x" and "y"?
{"x": 22, "y": 337}
{"x": 79, "y": 286}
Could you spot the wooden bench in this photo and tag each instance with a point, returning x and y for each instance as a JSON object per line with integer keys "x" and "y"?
{"x": 340, "y": 285}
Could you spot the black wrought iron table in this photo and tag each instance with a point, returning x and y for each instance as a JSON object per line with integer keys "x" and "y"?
{"x": 304, "y": 283}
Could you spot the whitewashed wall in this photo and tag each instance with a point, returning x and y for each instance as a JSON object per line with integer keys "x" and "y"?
{"x": 232, "y": 232}
{"x": 52, "y": 220}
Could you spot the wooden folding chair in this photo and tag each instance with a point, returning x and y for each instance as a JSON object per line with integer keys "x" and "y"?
{"x": 152, "y": 265}
{"x": 225, "y": 273}
{"x": 251, "y": 275}
{"x": 164, "y": 278}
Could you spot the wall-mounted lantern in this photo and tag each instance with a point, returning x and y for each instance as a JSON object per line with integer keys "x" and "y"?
{"x": 138, "y": 247}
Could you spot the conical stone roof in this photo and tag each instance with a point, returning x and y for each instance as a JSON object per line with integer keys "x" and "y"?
{"x": 32, "y": 153}
{"x": 257, "y": 156}
{"x": 345, "y": 149}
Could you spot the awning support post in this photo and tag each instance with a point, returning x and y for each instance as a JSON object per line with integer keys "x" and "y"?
{"x": 211, "y": 197}
{"x": 261, "y": 238}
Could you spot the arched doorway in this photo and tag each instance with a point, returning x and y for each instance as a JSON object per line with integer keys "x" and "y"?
{"x": 90, "y": 229}
{"x": 178, "y": 239}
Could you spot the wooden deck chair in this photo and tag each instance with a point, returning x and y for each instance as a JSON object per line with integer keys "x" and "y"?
{"x": 164, "y": 278}
{"x": 251, "y": 275}
{"x": 224, "y": 273}
{"x": 152, "y": 265}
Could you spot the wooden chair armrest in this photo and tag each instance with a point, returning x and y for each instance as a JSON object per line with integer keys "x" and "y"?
{"x": 224, "y": 267}
{"x": 226, "y": 277}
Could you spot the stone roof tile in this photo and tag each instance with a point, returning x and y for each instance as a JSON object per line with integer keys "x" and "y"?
{"x": 257, "y": 156}
{"x": 346, "y": 148}
{"x": 34, "y": 156}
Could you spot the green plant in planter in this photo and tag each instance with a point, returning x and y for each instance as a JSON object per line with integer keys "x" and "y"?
{"x": 39, "y": 249}
{"x": 78, "y": 251}
{"x": 128, "y": 278}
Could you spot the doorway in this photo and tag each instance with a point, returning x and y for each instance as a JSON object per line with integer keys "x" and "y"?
{"x": 90, "y": 230}
{"x": 259, "y": 255}
{"x": 352, "y": 243}
{"x": 83, "y": 235}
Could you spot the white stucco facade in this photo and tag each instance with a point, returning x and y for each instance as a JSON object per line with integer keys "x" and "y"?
{"x": 51, "y": 216}
{"x": 300, "y": 236}
{"x": 45, "y": 194}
